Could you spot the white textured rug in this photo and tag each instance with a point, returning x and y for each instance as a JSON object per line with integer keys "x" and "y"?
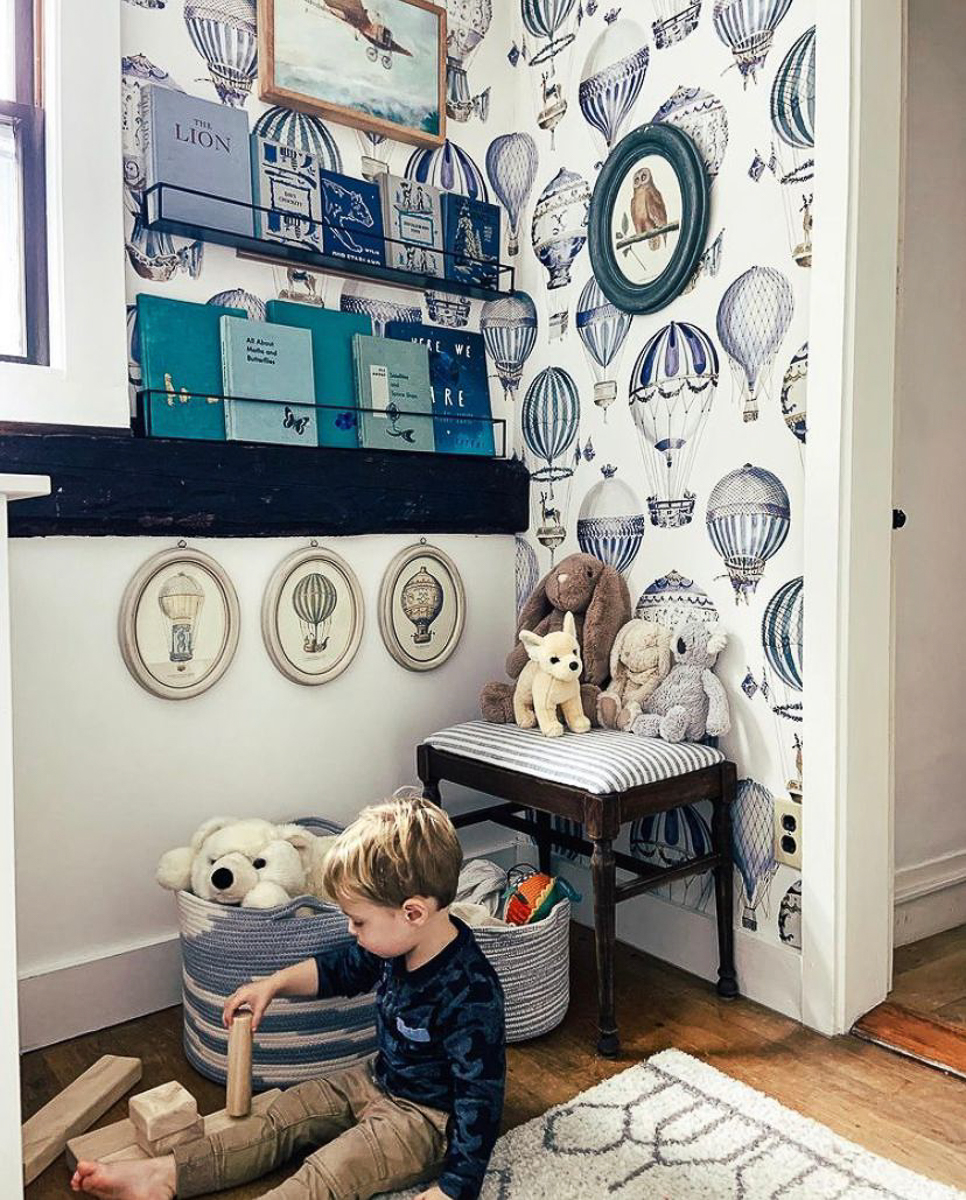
{"x": 673, "y": 1128}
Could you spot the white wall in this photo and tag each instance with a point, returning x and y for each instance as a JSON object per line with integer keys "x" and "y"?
{"x": 108, "y": 776}
{"x": 930, "y": 553}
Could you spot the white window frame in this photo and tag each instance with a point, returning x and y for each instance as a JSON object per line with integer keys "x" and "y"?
{"x": 86, "y": 381}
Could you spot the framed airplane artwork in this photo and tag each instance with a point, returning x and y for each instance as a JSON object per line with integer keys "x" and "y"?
{"x": 382, "y": 70}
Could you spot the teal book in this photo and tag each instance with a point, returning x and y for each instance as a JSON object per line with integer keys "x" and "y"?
{"x": 268, "y": 383}
{"x": 332, "y": 333}
{"x": 394, "y": 394}
{"x": 181, "y": 367}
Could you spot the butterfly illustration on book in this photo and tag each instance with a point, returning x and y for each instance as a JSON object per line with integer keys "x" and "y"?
{"x": 291, "y": 421}
{"x": 392, "y": 412}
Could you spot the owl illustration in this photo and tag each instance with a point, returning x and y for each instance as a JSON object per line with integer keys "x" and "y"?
{"x": 648, "y": 210}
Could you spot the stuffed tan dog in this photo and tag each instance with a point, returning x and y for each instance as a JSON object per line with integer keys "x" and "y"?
{"x": 551, "y": 680}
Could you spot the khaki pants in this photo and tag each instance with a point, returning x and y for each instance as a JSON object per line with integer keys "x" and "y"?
{"x": 370, "y": 1142}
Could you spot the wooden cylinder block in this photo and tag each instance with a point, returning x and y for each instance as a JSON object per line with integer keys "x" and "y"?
{"x": 239, "y": 1090}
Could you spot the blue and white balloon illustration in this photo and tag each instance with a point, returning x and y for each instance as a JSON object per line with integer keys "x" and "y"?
{"x": 509, "y": 329}
{"x": 793, "y": 119}
{"x": 672, "y": 387}
{"x": 790, "y": 916}
{"x": 550, "y": 417}
{"x": 527, "y": 573}
{"x": 137, "y": 72}
{"x": 782, "y": 629}
{"x": 748, "y": 518}
{"x": 612, "y": 79}
{"x": 511, "y": 164}
{"x": 675, "y": 19}
{"x": 224, "y": 34}
{"x": 467, "y": 22}
{"x": 703, "y": 117}
{"x": 379, "y": 309}
{"x": 753, "y": 834}
{"x": 674, "y": 600}
{"x": 372, "y": 145}
{"x": 239, "y": 298}
{"x": 666, "y": 840}
{"x": 603, "y": 329}
{"x": 559, "y": 226}
{"x": 610, "y": 523}
{"x": 300, "y": 131}
{"x": 551, "y": 23}
{"x": 794, "y": 397}
{"x": 753, "y": 318}
{"x": 747, "y": 28}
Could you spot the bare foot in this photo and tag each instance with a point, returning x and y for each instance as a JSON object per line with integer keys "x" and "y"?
{"x": 148, "y": 1179}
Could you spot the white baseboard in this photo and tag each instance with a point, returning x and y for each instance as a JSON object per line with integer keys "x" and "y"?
{"x": 930, "y": 898}
{"x": 767, "y": 973}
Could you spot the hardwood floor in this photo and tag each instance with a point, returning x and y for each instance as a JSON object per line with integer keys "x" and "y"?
{"x": 925, "y": 1013}
{"x": 892, "y": 1105}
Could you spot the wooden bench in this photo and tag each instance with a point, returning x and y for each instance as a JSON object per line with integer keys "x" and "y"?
{"x": 601, "y": 780}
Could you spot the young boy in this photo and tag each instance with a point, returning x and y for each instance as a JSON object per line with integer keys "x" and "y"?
{"x": 429, "y": 1103}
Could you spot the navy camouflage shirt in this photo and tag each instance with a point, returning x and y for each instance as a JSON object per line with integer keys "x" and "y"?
{"x": 442, "y": 1042}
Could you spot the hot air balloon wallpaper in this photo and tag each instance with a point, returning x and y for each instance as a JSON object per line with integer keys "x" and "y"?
{"x": 373, "y": 144}
{"x": 794, "y": 395}
{"x": 509, "y": 329}
{"x": 603, "y": 329}
{"x": 673, "y": 837}
{"x": 611, "y": 80}
{"x": 224, "y": 34}
{"x": 753, "y": 318}
{"x": 156, "y": 255}
{"x": 550, "y": 418}
{"x": 300, "y": 131}
{"x": 672, "y": 387}
{"x": 793, "y": 119}
{"x": 550, "y": 23}
{"x": 748, "y": 517}
{"x": 467, "y": 22}
{"x": 790, "y": 916}
{"x": 137, "y": 71}
{"x": 422, "y": 607}
{"x": 674, "y": 600}
{"x": 357, "y": 298}
{"x": 526, "y": 573}
{"x": 559, "y": 226}
{"x": 511, "y": 165}
{"x": 314, "y": 600}
{"x": 178, "y": 625}
{"x": 753, "y": 833}
{"x": 674, "y": 20}
{"x": 610, "y": 523}
{"x": 747, "y": 28}
{"x": 312, "y": 615}
{"x": 702, "y": 116}
{"x": 239, "y": 298}
{"x": 782, "y": 628}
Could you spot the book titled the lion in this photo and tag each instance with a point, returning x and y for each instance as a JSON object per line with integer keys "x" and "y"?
{"x": 351, "y": 218}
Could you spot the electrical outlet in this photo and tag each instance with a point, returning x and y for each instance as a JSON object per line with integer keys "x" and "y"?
{"x": 788, "y": 832}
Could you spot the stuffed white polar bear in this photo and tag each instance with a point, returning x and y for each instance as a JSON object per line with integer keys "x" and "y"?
{"x": 249, "y": 862}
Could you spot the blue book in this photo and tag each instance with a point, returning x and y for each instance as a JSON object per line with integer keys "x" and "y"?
{"x": 472, "y": 234}
{"x": 352, "y": 218}
{"x": 393, "y": 390}
{"x": 286, "y": 181}
{"x": 332, "y": 334}
{"x": 461, "y": 390}
{"x": 197, "y": 144}
{"x": 268, "y": 382}
{"x": 181, "y": 367}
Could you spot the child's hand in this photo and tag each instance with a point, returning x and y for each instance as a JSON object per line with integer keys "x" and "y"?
{"x": 256, "y": 996}
{"x": 433, "y": 1193}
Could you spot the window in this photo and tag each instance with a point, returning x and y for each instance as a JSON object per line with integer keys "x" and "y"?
{"x": 23, "y": 235}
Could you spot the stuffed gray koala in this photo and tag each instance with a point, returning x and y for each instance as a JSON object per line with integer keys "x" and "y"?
{"x": 691, "y": 701}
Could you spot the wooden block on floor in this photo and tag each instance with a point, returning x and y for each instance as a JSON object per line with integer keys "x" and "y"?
{"x": 162, "y": 1110}
{"x": 75, "y": 1110}
{"x": 915, "y": 1034}
{"x": 164, "y": 1145}
{"x": 118, "y": 1142}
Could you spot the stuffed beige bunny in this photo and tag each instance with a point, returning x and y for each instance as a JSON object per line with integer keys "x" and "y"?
{"x": 639, "y": 660}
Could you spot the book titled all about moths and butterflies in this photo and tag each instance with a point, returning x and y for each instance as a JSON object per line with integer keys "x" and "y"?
{"x": 268, "y": 382}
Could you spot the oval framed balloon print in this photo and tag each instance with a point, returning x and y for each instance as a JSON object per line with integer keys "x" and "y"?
{"x": 312, "y": 616}
{"x": 178, "y": 624}
{"x": 422, "y": 607}
{"x": 649, "y": 218}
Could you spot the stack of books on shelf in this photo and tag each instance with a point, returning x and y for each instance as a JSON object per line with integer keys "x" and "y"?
{"x": 218, "y": 177}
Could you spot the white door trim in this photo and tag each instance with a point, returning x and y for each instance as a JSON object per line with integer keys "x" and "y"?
{"x": 847, "y": 886}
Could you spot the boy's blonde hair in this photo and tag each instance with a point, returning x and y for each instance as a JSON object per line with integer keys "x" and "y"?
{"x": 404, "y": 847}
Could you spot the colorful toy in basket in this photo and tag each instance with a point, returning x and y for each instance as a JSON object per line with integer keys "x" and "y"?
{"x": 532, "y": 898}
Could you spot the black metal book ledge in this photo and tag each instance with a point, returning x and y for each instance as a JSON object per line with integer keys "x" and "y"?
{"x": 107, "y": 483}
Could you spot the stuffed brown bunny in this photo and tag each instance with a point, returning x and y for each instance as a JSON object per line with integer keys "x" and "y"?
{"x": 598, "y": 597}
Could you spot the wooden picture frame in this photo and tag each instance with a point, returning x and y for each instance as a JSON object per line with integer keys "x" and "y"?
{"x": 377, "y": 50}
{"x": 178, "y": 624}
{"x": 419, "y": 638}
{"x": 656, "y": 160}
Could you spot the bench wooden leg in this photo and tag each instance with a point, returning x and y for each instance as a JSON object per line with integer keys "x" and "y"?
{"x": 543, "y": 840}
{"x": 426, "y": 776}
{"x": 724, "y": 884}
{"x": 604, "y": 872}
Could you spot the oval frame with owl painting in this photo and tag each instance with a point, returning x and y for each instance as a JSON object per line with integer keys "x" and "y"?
{"x": 644, "y": 248}
{"x": 178, "y": 623}
{"x": 421, "y": 619}
{"x": 312, "y": 616}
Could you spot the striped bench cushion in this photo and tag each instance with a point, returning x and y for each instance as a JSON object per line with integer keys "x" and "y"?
{"x": 599, "y": 761}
